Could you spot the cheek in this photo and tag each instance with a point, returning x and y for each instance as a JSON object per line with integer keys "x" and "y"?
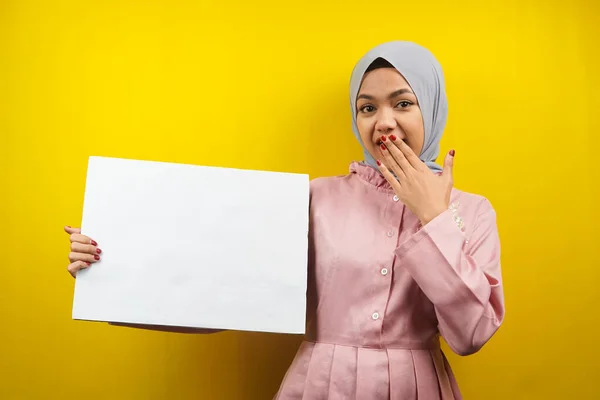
{"x": 364, "y": 129}
{"x": 414, "y": 131}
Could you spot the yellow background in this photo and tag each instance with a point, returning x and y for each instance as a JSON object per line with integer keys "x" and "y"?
{"x": 264, "y": 86}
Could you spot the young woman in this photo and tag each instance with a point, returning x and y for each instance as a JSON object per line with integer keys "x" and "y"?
{"x": 398, "y": 257}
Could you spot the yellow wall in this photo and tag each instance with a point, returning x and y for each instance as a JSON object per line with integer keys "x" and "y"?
{"x": 255, "y": 85}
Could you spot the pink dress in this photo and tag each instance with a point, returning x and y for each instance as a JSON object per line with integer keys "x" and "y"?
{"x": 382, "y": 288}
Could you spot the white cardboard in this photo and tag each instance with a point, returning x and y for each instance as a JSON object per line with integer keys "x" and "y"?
{"x": 195, "y": 246}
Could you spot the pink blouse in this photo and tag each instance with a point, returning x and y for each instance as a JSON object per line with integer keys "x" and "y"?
{"x": 382, "y": 289}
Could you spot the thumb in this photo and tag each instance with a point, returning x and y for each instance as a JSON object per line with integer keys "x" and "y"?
{"x": 448, "y": 165}
{"x": 71, "y": 230}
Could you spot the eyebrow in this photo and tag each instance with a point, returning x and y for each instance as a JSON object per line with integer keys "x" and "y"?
{"x": 391, "y": 96}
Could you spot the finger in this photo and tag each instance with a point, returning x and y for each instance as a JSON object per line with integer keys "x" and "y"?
{"x": 387, "y": 174}
{"x": 78, "y": 247}
{"x": 76, "y": 256}
{"x": 391, "y": 164}
{"x": 70, "y": 230}
{"x": 78, "y": 238}
{"x": 395, "y": 160}
{"x": 448, "y": 170}
{"x": 76, "y": 266}
{"x": 407, "y": 152}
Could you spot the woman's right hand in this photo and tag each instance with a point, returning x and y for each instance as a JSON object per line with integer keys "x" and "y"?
{"x": 84, "y": 251}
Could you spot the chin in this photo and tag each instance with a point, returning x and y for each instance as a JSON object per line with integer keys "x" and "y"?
{"x": 372, "y": 152}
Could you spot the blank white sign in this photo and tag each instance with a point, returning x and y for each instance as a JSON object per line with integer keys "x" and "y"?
{"x": 193, "y": 246}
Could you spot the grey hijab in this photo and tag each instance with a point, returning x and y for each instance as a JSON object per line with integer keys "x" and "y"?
{"x": 424, "y": 74}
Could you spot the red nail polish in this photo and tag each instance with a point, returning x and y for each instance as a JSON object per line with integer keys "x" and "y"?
{"x": 383, "y": 138}
{"x": 98, "y": 251}
{"x": 88, "y": 263}
{"x": 97, "y": 257}
{"x": 94, "y": 243}
{"x": 393, "y": 138}
{"x": 383, "y": 147}
{"x": 378, "y": 163}
{"x": 452, "y": 152}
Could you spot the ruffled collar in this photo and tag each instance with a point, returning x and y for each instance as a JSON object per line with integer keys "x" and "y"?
{"x": 370, "y": 175}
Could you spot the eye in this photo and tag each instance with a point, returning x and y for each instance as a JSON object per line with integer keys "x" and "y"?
{"x": 403, "y": 104}
{"x": 367, "y": 108}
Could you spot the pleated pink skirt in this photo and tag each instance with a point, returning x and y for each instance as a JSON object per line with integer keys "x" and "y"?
{"x": 336, "y": 372}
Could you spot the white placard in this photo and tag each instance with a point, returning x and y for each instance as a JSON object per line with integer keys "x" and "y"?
{"x": 194, "y": 246}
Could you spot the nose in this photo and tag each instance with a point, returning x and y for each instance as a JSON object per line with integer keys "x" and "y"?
{"x": 385, "y": 122}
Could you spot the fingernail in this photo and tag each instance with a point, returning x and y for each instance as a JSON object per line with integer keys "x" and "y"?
{"x": 452, "y": 152}
{"x": 382, "y": 147}
{"x": 98, "y": 251}
{"x": 383, "y": 138}
{"x": 393, "y": 138}
{"x": 97, "y": 257}
{"x": 94, "y": 243}
{"x": 88, "y": 263}
{"x": 378, "y": 163}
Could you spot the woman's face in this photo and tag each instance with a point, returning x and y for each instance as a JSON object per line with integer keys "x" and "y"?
{"x": 386, "y": 105}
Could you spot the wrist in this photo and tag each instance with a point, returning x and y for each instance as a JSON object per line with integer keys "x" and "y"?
{"x": 431, "y": 214}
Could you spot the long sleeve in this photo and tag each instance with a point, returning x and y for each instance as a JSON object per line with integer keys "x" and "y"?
{"x": 462, "y": 278}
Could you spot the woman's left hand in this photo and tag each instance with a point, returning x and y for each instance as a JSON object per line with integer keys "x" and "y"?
{"x": 425, "y": 193}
